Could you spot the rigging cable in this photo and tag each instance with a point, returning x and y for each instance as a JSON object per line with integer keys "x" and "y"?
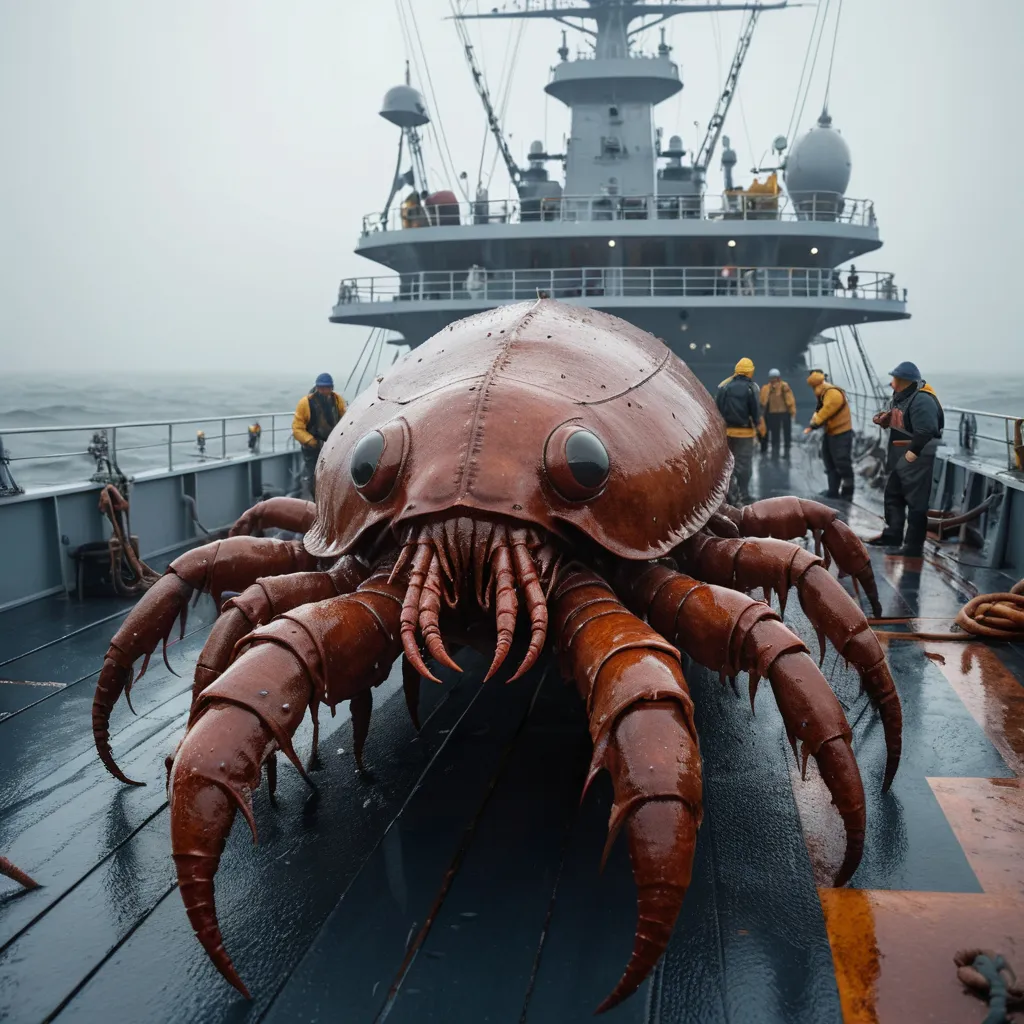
{"x": 436, "y": 124}
{"x": 743, "y": 113}
{"x": 832, "y": 58}
{"x": 507, "y": 82}
{"x": 803, "y": 70}
{"x": 814, "y": 63}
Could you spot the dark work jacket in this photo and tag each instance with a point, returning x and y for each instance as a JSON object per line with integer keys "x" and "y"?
{"x": 323, "y": 415}
{"x": 739, "y": 402}
{"x": 916, "y": 416}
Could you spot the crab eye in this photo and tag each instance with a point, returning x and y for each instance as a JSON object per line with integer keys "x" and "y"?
{"x": 377, "y": 459}
{"x": 576, "y": 462}
{"x": 365, "y": 458}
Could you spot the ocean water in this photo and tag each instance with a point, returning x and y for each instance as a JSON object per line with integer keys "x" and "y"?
{"x": 202, "y": 399}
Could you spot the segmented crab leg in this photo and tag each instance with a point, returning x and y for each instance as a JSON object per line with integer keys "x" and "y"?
{"x": 224, "y": 565}
{"x": 730, "y": 632}
{"x": 641, "y": 722}
{"x": 778, "y": 565}
{"x": 790, "y": 518}
{"x": 15, "y": 873}
{"x": 291, "y": 514}
{"x": 256, "y": 606}
{"x": 266, "y": 598}
{"x": 332, "y": 651}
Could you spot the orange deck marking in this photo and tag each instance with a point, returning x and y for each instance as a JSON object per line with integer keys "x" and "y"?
{"x": 893, "y": 951}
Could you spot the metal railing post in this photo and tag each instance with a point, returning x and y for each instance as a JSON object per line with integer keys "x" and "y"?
{"x": 223, "y": 439}
{"x": 273, "y": 433}
{"x": 170, "y": 446}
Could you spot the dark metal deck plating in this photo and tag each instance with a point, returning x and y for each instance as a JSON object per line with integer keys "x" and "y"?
{"x": 460, "y": 882}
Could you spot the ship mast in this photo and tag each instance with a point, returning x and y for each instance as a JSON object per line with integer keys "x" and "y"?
{"x": 613, "y": 91}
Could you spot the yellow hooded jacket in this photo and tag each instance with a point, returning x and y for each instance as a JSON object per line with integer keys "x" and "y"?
{"x": 301, "y": 421}
{"x": 834, "y": 414}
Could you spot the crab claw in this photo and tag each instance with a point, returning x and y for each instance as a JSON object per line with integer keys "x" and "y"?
{"x": 252, "y": 710}
{"x": 15, "y": 873}
{"x": 149, "y": 622}
{"x": 659, "y": 806}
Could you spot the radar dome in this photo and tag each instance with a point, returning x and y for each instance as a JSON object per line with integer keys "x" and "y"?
{"x": 403, "y": 106}
{"x": 818, "y": 164}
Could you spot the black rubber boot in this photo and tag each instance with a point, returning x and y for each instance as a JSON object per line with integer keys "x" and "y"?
{"x": 885, "y": 540}
{"x": 913, "y": 543}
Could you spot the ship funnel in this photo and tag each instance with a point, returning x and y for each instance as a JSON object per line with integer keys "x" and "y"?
{"x": 403, "y": 106}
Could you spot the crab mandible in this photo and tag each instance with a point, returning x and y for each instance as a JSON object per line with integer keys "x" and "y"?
{"x": 540, "y": 455}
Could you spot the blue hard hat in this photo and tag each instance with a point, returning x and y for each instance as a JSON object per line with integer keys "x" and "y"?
{"x": 906, "y": 371}
{"x": 325, "y": 380}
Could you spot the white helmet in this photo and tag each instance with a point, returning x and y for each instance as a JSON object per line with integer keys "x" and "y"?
{"x": 774, "y": 373}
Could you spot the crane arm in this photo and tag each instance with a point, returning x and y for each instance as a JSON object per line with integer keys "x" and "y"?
{"x": 717, "y": 122}
{"x": 485, "y": 97}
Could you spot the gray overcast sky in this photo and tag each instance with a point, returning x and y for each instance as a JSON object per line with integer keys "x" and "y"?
{"x": 182, "y": 181}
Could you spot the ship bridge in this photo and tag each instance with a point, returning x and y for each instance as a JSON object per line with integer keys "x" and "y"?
{"x": 633, "y": 230}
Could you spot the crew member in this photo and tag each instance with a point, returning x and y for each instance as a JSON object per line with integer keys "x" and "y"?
{"x": 914, "y": 420}
{"x": 738, "y": 401}
{"x": 779, "y": 408}
{"x": 833, "y": 413}
{"x": 315, "y": 417}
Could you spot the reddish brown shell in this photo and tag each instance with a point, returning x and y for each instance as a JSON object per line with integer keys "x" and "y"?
{"x": 467, "y": 415}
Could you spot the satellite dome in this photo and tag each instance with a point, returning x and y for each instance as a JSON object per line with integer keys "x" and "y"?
{"x": 403, "y": 106}
{"x": 818, "y": 164}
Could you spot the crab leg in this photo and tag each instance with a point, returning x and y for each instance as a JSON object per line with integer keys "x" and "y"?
{"x": 15, "y": 873}
{"x": 790, "y": 518}
{"x": 332, "y": 651}
{"x": 731, "y": 632}
{"x": 778, "y": 565}
{"x": 256, "y": 606}
{"x": 231, "y": 564}
{"x": 291, "y": 514}
{"x": 641, "y": 722}
{"x": 263, "y": 601}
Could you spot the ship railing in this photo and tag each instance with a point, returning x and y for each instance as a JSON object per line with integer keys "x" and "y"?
{"x": 140, "y": 445}
{"x": 993, "y": 437}
{"x": 988, "y": 435}
{"x": 818, "y": 206}
{"x": 729, "y": 282}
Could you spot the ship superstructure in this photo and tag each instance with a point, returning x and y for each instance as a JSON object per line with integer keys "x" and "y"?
{"x": 632, "y": 228}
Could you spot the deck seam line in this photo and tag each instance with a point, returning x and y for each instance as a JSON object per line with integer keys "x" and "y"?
{"x": 398, "y": 813}
{"x": 66, "y": 1001}
{"x": 66, "y": 636}
{"x": 456, "y": 862}
{"x": 67, "y": 686}
{"x": 570, "y": 828}
{"x": 67, "y": 892}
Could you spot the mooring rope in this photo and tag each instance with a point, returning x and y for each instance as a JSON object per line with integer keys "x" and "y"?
{"x": 985, "y": 617}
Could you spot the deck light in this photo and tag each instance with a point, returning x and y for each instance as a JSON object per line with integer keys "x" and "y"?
{"x": 814, "y": 250}
{"x": 611, "y": 243}
{"x": 731, "y": 243}
{"x": 693, "y": 345}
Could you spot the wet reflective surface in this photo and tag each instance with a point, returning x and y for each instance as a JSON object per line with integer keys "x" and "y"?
{"x": 461, "y": 882}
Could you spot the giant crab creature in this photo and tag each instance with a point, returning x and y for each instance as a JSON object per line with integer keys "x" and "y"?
{"x": 536, "y": 456}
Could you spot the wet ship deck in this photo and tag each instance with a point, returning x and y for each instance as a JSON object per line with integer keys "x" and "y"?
{"x": 460, "y": 882}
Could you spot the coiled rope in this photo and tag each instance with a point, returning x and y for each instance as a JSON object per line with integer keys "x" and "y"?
{"x": 987, "y": 616}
